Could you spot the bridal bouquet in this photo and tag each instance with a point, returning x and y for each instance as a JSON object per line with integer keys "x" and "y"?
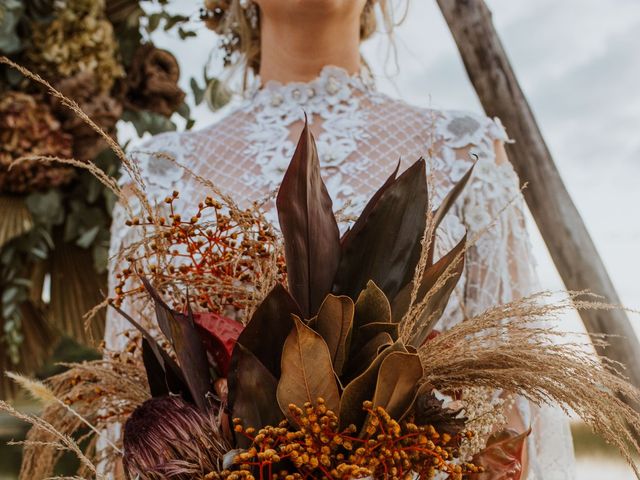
{"x": 309, "y": 354}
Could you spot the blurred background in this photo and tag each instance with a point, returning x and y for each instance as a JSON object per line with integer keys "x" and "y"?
{"x": 579, "y": 64}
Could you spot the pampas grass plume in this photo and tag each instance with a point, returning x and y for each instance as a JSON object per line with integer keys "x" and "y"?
{"x": 36, "y": 388}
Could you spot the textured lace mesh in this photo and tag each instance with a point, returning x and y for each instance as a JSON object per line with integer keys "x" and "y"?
{"x": 361, "y": 135}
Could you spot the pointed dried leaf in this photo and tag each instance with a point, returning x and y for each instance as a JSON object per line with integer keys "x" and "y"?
{"x": 361, "y": 389}
{"x": 161, "y": 309}
{"x": 397, "y": 383}
{"x": 363, "y": 356}
{"x": 173, "y": 376}
{"x": 373, "y": 201}
{"x": 432, "y": 273}
{"x": 163, "y": 375}
{"x": 451, "y": 265}
{"x": 386, "y": 246}
{"x": 309, "y": 228}
{"x": 192, "y": 356}
{"x": 307, "y": 373}
{"x": 334, "y": 323}
{"x": 445, "y": 206}
{"x": 502, "y": 459}
{"x": 269, "y": 327}
{"x": 254, "y": 393}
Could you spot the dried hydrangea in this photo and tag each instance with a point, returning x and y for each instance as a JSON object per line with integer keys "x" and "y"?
{"x": 78, "y": 39}
{"x": 152, "y": 81}
{"x": 101, "y": 107}
{"x": 27, "y": 127}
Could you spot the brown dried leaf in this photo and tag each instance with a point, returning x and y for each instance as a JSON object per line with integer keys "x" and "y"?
{"x": 307, "y": 372}
{"x": 372, "y": 306}
{"x": 361, "y": 389}
{"x": 334, "y": 323}
{"x": 397, "y": 383}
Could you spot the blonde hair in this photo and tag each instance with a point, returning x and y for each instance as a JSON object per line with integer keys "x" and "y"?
{"x": 240, "y": 33}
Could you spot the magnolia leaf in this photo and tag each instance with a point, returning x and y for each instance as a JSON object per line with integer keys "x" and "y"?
{"x": 372, "y": 306}
{"x": 372, "y": 329}
{"x": 444, "y": 208}
{"x": 385, "y": 247}
{"x": 363, "y": 356}
{"x": 309, "y": 228}
{"x": 254, "y": 393}
{"x": 362, "y": 389}
{"x": 220, "y": 335}
{"x": 451, "y": 267}
{"x": 269, "y": 327}
{"x": 502, "y": 458}
{"x": 397, "y": 383}
{"x": 334, "y": 323}
{"x": 307, "y": 372}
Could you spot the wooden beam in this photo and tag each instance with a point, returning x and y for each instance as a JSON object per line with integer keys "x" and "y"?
{"x": 562, "y": 228}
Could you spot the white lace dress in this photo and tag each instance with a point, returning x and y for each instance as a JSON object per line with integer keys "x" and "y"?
{"x": 361, "y": 134}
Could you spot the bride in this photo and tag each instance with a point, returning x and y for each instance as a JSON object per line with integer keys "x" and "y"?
{"x": 305, "y": 58}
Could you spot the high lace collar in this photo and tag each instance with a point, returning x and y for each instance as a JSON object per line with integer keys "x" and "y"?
{"x": 332, "y": 86}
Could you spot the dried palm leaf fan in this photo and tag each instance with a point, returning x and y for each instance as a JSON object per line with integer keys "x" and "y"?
{"x": 15, "y": 218}
{"x": 74, "y": 293}
{"x": 37, "y": 345}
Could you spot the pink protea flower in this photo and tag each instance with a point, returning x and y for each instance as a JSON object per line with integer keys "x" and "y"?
{"x": 166, "y": 437}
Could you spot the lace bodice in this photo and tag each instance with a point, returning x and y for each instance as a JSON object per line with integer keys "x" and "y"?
{"x": 361, "y": 135}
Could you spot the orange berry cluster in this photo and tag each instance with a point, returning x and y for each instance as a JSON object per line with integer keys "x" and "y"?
{"x": 220, "y": 254}
{"x": 312, "y": 445}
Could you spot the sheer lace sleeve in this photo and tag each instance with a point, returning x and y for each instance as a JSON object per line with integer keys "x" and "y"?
{"x": 500, "y": 268}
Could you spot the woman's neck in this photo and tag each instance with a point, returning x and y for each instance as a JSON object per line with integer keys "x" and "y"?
{"x": 296, "y": 51}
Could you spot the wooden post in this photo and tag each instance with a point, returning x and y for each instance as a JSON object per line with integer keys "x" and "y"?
{"x": 562, "y": 228}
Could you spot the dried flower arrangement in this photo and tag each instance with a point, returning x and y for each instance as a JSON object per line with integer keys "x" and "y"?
{"x": 338, "y": 376}
{"x": 341, "y": 375}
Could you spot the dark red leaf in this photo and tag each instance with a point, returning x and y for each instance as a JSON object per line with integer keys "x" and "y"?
{"x": 254, "y": 393}
{"x": 269, "y": 327}
{"x": 309, "y": 228}
{"x": 220, "y": 335}
{"x": 190, "y": 350}
{"x": 445, "y": 206}
{"x": 161, "y": 369}
{"x": 373, "y": 201}
{"x": 385, "y": 247}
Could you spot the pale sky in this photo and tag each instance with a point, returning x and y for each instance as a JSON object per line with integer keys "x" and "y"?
{"x": 579, "y": 64}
